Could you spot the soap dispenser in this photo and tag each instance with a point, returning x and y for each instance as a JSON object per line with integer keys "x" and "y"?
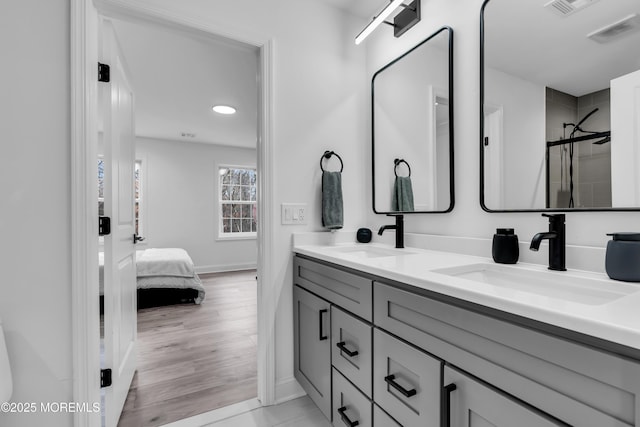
{"x": 505, "y": 248}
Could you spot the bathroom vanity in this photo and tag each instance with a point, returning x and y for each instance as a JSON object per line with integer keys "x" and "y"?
{"x": 391, "y": 337}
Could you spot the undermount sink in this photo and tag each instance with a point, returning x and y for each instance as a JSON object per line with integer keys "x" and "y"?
{"x": 365, "y": 251}
{"x": 557, "y": 285}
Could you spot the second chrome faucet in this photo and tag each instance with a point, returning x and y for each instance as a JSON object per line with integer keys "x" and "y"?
{"x": 556, "y": 237}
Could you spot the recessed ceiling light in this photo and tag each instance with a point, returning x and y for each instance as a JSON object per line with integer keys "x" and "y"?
{"x": 224, "y": 109}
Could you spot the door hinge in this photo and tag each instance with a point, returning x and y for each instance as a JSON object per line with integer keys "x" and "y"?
{"x": 104, "y": 226}
{"x": 104, "y": 73}
{"x": 105, "y": 378}
{"x": 486, "y": 141}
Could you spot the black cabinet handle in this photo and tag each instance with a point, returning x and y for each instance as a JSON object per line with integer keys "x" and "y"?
{"x": 322, "y": 335}
{"x": 446, "y": 404}
{"x": 391, "y": 381}
{"x": 346, "y": 419}
{"x": 137, "y": 239}
{"x": 342, "y": 347}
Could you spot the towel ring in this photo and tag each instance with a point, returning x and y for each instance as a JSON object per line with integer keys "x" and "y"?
{"x": 396, "y": 162}
{"x": 327, "y": 155}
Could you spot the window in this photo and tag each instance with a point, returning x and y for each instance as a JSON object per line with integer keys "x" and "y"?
{"x": 138, "y": 192}
{"x": 237, "y": 201}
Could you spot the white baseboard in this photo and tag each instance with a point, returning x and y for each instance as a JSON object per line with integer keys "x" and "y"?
{"x": 203, "y": 269}
{"x": 288, "y": 389}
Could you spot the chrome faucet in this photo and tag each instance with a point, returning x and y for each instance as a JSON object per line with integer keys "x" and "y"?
{"x": 399, "y": 227}
{"x": 556, "y": 236}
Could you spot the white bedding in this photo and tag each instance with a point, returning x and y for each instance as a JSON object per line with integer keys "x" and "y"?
{"x": 164, "y": 262}
{"x": 167, "y": 268}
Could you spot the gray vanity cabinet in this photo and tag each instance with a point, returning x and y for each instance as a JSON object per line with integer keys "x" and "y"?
{"x": 504, "y": 373}
{"x": 473, "y": 404}
{"x": 312, "y": 347}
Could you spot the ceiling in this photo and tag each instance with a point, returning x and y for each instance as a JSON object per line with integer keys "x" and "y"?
{"x": 525, "y": 39}
{"x": 178, "y": 76}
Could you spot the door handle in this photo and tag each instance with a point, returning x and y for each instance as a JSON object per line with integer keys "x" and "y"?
{"x": 137, "y": 239}
{"x": 446, "y": 404}
{"x": 406, "y": 393}
{"x": 345, "y": 418}
{"x": 341, "y": 345}
{"x": 320, "y": 318}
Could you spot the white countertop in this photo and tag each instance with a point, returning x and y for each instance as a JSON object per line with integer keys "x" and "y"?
{"x": 617, "y": 321}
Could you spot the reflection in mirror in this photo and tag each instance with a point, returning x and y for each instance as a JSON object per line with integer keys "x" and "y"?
{"x": 560, "y": 104}
{"x": 412, "y": 130}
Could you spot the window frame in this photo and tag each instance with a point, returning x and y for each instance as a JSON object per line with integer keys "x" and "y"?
{"x": 221, "y": 234}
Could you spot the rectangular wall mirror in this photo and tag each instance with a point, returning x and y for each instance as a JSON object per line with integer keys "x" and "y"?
{"x": 412, "y": 129}
{"x": 560, "y": 105}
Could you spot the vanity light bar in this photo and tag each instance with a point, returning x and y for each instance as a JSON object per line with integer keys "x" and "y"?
{"x": 388, "y": 10}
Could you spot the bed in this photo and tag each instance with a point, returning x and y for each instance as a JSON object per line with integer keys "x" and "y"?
{"x": 163, "y": 274}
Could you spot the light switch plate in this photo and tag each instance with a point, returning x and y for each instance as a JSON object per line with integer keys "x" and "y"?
{"x": 294, "y": 213}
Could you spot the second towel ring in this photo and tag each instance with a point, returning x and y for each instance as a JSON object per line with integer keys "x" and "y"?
{"x": 327, "y": 155}
{"x": 396, "y": 162}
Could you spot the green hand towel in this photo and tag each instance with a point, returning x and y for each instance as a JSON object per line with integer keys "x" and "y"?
{"x": 332, "y": 209}
{"x": 402, "y": 195}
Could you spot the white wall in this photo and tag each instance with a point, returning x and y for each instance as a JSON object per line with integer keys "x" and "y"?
{"x": 524, "y": 131}
{"x": 468, "y": 219}
{"x": 180, "y": 201}
{"x": 35, "y": 204}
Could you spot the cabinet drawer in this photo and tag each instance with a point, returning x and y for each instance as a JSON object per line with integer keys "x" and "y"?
{"x": 470, "y": 403}
{"x": 382, "y": 419}
{"x": 351, "y": 348}
{"x": 350, "y": 407}
{"x": 349, "y": 291}
{"x": 406, "y": 382}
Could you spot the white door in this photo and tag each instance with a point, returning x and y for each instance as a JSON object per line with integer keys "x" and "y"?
{"x": 493, "y": 167}
{"x": 625, "y": 140}
{"x": 120, "y": 322}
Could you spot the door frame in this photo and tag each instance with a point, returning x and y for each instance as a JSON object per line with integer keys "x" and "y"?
{"x": 84, "y": 213}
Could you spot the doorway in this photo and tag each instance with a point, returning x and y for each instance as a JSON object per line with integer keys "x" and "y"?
{"x": 84, "y": 204}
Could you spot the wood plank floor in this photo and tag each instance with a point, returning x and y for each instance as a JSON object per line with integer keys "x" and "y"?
{"x": 196, "y": 358}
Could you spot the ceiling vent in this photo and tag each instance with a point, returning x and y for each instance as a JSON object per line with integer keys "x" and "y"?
{"x": 568, "y": 7}
{"x": 618, "y": 29}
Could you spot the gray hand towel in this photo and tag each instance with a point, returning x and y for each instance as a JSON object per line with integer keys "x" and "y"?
{"x": 402, "y": 195}
{"x": 332, "y": 209}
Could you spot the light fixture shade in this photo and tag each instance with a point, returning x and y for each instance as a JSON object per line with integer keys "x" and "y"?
{"x": 388, "y": 10}
{"x": 224, "y": 109}
{"x": 401, "y": 23}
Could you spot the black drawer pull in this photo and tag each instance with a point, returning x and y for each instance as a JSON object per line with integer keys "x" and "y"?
{"x": 346, "y": 419}
{"x": 446, "y": 404}
{"x": 342, "y": 347}
{"x": 391, "y": 381}
{"x": 322, "y": 335}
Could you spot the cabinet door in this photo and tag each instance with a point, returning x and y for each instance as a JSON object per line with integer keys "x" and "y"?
{"x": 469, "y": 403}
{"x": 406, "y": 382}
{"x": 312, "y": 347}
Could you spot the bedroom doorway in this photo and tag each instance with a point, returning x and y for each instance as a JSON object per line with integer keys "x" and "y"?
{"x": 222, "y": 288}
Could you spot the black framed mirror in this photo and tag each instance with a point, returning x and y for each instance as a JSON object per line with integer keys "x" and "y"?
{"x": 559, "y": 105}
{"x": 412, "y": 129}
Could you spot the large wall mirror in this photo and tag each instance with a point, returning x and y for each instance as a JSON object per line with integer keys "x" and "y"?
{"x": 560, "y": 105}
{"x": 412, "y": 125}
